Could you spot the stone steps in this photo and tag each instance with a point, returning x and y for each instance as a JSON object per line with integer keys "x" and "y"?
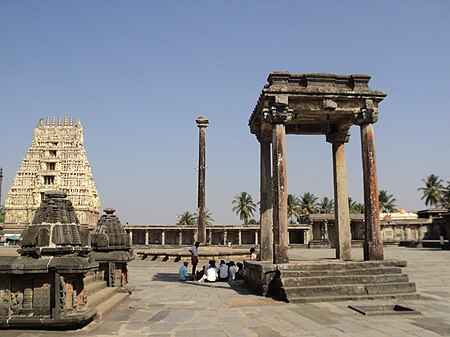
{"x": 94, "y": 287}
{"x": 342, "y": 280}
{"x": 366, "y": 271}
{"x": 107, "y": 306}
{"x": 318, "y": 281}
{"x": 311, "y": 299}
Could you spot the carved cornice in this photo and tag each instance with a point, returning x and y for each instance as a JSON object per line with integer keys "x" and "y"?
{"x": 367, "y": 115}
{"x": 341, "y": 136}
{"x": 278, "y": 111}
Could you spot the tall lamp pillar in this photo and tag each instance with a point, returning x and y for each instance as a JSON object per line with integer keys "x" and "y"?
{"x": 202, "y": 123}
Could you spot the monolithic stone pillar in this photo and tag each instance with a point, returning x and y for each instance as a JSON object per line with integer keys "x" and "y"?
{"x": 210, "y": 236}
{"x": 180, "y": 238}
{"x": 278, "y": 115}
{"x": 239, "y": 237}
{"x": 325, "y": 225}
{"x": 341, "y": 207}
{"x": 163, "y": 237}
{"x": 256, "y": 238}
{"x": 202, "y": 124}
{"x": 373, "y": 244}
{"x": 266, "y": 212}
{"x": 131, "y": 236}
{"x": 146, "y": 237}
{"x": 225, "y": 237}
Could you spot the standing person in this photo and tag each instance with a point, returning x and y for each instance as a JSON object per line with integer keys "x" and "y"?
{"x": 183, "y": 271}
{"x": 194, "y": 257}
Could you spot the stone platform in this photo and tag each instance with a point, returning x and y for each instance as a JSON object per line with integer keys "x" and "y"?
{"x": 161, "y": 306}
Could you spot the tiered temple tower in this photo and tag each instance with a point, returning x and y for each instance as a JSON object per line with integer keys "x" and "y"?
{"x": 56, "y": 159}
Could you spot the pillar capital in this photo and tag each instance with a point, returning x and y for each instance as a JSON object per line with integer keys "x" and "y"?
{"x": 339, "y": 136}
{"x": 367, "y": 115}
{"x": 202, "y": 122}
{"x": 278, "y": 111}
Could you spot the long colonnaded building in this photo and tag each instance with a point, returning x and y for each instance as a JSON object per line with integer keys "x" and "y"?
{"x": 55, "y": 160}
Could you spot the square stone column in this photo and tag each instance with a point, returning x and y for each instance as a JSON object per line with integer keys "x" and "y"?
{"x": 341, "y": 207}
{"x": 266, "y": 213}
{"x": 280, "y": 221}
{"x": 373, "y": 243}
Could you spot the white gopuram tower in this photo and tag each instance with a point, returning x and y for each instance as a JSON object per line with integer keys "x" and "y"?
{"x": 56, "y": 160}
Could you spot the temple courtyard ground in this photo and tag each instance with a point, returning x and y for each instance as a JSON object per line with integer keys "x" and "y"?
{"x": 163, "y": 306}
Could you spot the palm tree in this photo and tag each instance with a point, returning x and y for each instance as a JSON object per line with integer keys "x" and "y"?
{"x": 446, "y": 196}
{"x": 186, "y": 219}
{"x": 244, "y": 206}
{"x": 308, "y": 203}
{"x": 433, "y": 190}
{"x": 326, "y": 206}
{"x": 355, "y": 207}
{"x": 208, "y": 217}
{"x": 386, "y": 202}
{"x": 293, "y": 207}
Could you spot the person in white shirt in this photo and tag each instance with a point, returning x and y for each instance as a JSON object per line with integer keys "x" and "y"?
{"x": 232, "y": 270}
{"x": 211, "y": 274}
{"x": 194, "y": 257}
{"x": 183, "y": 271}
{"x": 223, "y": 271}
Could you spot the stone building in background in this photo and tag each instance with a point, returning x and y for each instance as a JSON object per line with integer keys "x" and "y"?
{"x": 56, "y": 160}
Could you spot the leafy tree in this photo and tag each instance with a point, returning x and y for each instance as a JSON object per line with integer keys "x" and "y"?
{"x": 326, "y": 206}
{"x": 308, "y": 203}
{"x": 208, "y": 217}
{"x": 386, "y": 202}
{"x": 433, "y": 190}
{"x": 186, "y": 219}
{"x": 446, "y": 196}
{"x": 293, "y": 207}
{"x": 355, "y": 207}
{"x": 244, "y": 206}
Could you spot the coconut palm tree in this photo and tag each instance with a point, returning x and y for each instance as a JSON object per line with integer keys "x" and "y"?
{"x": 208, "y": 217}
{"x": 308, "y": 203}
{"x": 446, "y": 196}
{"x": 433, "y": 190}
{"x": 293, "y": 207}
{"x": 326, "y": 206}
{"x": 244, "y": 206}
{"x": 386, "y": 202}
{"x": 355, "y": 207}
{"x": 186, "y": 219}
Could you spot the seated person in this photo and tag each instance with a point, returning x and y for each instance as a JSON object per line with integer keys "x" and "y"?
{"x": 183, "y": 272}
{"x": 253, "y": 255}
{"x": 223, "y": 271}
{"x": 211, "y": 274}
{"x": 232, "y": 270}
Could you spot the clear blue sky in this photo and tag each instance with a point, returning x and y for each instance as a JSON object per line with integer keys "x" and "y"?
{"x": 138, "y": 73}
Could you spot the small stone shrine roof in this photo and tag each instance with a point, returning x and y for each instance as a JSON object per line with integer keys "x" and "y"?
{"x": 55, "y": 229}
{"x": 109, "y": 234}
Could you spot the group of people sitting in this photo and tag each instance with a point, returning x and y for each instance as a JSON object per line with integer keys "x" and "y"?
{"x": 211, "y": 272}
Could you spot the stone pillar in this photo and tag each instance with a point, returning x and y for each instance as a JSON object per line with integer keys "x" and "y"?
{"x": 27, "y": 304}
{"x": 266, "y": 212}
{"x": 278, "y": 115}
{"x": 163, "y": 237}
{"x": 210, "y": 236}
{"x": 225, "y": 237}
{"x": 202, "y": 124}
{"x": 240, "y": 237}
{"x": 256, "y": 238}
{"x": 373, "y": 244}
{"x": 325, "y": 224}
{"x": 146, "y": 237}
{"x": 341, "y": 207}
{"x": 180, "y": 238}
{"x": 131, "y": 236}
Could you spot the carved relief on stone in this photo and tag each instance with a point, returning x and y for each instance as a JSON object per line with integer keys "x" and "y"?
{"x": 41, "y": 300}
{"x": 5, "y": 302}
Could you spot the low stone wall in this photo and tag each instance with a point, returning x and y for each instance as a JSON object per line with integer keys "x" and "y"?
{"x": 262, "y": 278}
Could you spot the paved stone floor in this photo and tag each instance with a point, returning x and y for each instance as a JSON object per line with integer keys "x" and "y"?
{"x": 162, "y": 306}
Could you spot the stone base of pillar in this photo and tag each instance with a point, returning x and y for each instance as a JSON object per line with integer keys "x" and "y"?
{"x": 373, "y": 251}
{"x": 280, "y": 254}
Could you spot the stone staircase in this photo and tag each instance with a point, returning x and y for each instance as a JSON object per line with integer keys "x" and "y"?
{"x": 323, "y": 281}
{"x": 104, "y": 299}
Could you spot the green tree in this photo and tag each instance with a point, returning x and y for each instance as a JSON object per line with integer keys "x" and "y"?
{"x": 326, "y": 206}
{"x": 293, "y": 207}
{"x": 308, "y": 203}
{"x": 186, "y": 219}
{"x": 2, "y": 214}
{"x": 355, "y": 207}
{"x": 446, "y": 196}
{"x": 386, "y": 202}
{"x": 433, "y": 190}
{"x": 244, "y": 206}
{"x": 208, "y": 217}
